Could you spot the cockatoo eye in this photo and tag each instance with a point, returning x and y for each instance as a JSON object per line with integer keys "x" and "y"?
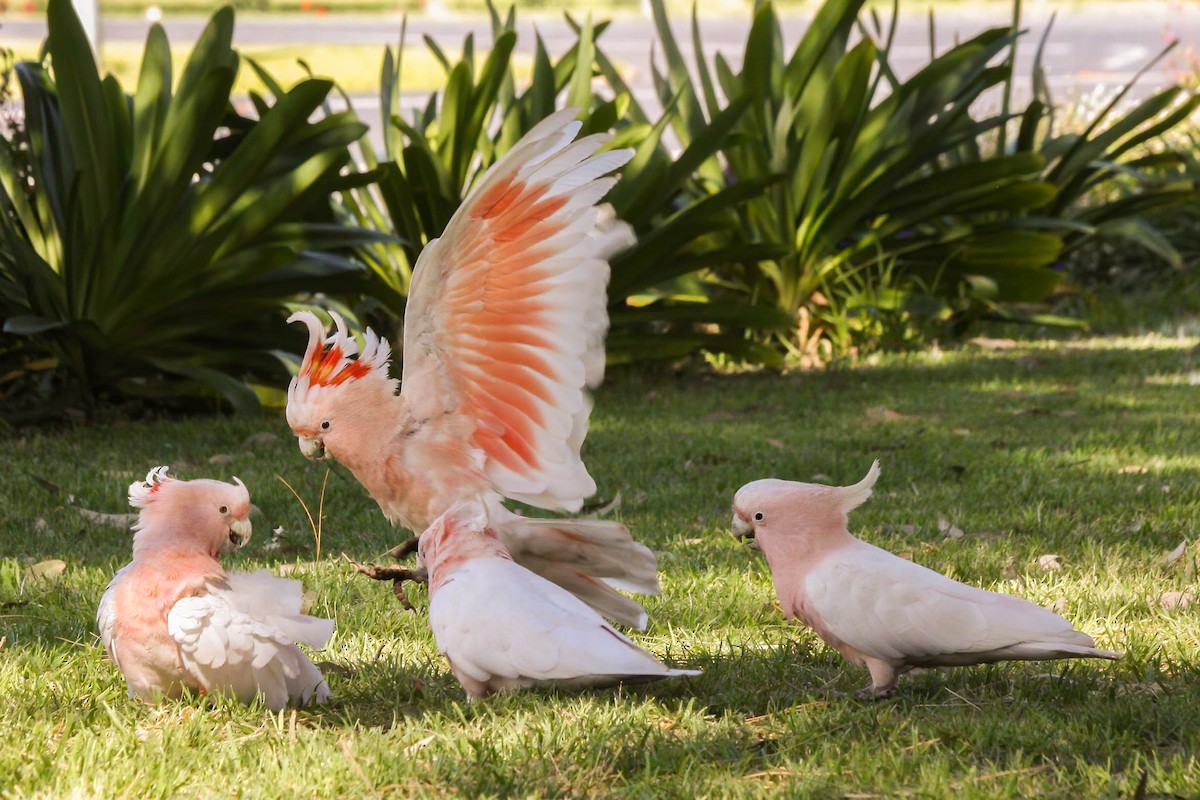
{"x": 223, "y": 509}
{"x": 325, "y": 425}
{"x": 758, "y": 516}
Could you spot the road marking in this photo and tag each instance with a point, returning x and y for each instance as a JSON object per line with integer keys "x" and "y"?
{"x": 1131, "y": 55}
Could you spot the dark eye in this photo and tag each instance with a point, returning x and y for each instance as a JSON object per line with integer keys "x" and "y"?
{"x": 758, "y": 516}
{"x": 325, "y": 425}
{"x": 224, "y": 509}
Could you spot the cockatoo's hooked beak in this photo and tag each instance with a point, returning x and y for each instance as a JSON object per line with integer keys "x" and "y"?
{"x": 312, "y": 447}
{"x": 239, "y": 534}
{"x": 744, "y": 530}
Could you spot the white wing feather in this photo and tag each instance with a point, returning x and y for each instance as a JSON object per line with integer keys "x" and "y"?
{"x": 242, "y": 641}
{"x": 898, "y": 611}
{"x": 495, "y": 619}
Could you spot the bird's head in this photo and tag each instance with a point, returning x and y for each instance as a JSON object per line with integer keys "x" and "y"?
{"x": 335, "y": 396}
{"x": 770, "y": 510}
{"x": 211, "y": 514}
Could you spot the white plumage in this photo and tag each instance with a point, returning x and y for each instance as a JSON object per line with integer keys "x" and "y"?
{"x": 243, "y": 640}
{"x": 502, "y": 627}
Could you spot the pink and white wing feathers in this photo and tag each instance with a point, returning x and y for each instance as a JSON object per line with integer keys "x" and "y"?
{"x": 898, "y": 611}
{"x": 498, "y": 622}
{"x": 507, "y": 311}
{"x": 242, "y": 640}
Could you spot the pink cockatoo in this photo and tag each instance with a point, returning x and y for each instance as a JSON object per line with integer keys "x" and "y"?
{"x": 173, "y": 618}
{"x": 503, "y": 337}
{"x": 502, "y": 627}
{"x": 881, "y": 610}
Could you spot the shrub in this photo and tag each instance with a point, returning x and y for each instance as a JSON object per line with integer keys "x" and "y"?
{"x": 157, "y": 238}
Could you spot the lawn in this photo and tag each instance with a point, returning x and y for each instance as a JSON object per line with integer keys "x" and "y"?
{"x": 995, "y": 457}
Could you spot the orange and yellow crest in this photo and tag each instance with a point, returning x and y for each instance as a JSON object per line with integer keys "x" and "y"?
{"x": 331, "y": 361}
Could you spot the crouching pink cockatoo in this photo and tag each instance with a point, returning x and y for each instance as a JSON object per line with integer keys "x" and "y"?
{"x": 503, "y": 337}
{"x": 173, "y": 618}
{"x": 878, "y": 609}
{"x": 502, "y": 627}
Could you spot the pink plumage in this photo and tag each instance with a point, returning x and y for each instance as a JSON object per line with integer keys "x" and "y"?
{"x": 173, "y": 618}
{"x": 878, "y": 609}
{"x": 503, "y": 338}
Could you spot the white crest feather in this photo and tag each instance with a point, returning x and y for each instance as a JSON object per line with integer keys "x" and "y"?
{"x": 142, "y": 492}
{"x": 854, "y": 496}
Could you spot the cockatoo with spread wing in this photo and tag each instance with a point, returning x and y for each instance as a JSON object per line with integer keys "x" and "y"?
{"x": 502, "y": 627}
{"x": 503, "y": 337}
{"x": 881, "y": 610}
{"x": 173, "y": 618}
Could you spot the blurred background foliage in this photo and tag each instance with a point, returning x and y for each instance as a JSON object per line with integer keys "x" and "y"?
{"x": 797, "y": 208}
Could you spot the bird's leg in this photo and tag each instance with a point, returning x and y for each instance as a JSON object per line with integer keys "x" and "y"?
{"x": 873, "y": 692}
{"x": 405, "y": 548}
{"x": 397, "y": 575}
{"x": 883, "y": 681}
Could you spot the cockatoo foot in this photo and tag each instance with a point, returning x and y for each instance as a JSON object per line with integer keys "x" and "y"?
{"x": 873, "y": 693}
{"x": 397, "y": 575}
{"x": 405, "y": 548}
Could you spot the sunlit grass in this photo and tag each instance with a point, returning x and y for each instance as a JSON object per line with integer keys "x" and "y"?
{"x": 1089, "y": 450}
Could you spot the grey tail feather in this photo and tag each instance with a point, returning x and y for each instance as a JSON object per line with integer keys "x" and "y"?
{"x": 603, "y": 599}
{"x": 597, "y": 548}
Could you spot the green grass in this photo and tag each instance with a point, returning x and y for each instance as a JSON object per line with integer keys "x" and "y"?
{"x": 1034, "y": 450}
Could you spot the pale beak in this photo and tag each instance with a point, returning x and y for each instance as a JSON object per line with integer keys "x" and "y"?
{"x": 239, "y": 534}
{"x": 312, "y": 447}
{"x": 744, "y": 530}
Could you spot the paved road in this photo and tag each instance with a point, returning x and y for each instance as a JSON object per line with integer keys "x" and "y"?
{"x": 1092, "y": 44}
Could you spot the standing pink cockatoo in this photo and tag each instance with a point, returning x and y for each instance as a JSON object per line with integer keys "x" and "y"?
{"x": 503, "y": 337}
{"x": 878, "y": 609}
{"x": 173, "y": 618}
{"x": 502, "y": 627}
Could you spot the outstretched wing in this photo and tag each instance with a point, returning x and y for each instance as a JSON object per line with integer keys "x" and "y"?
{"x": 229, "y": 650}
{"x": 507, "y": 311}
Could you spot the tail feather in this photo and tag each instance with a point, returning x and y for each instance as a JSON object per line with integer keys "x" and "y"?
{"x": 596, "y": 548}
{"x": 589, "y": 558}
{"x": 605, "y": 600}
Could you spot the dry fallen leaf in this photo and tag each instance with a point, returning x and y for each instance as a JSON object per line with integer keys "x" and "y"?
{"x": 885, "y": 414}
{"x": 220, "y": 458}
{"x": 307, "y": 601}
{"x": 1176, "y": 601}
{"x": 419, "y": 745}
{"x": 1173, "y": 556}
{"x": 1132, "y": 469}
{"x": 993, "y": 344}
{"x": 1049, "y": 563}
{"x": 906, "y": 555}
{"x": 46, "y": 570}
{"x": 951, "y": 531}
{"x": 101, "y": 518}
{"x": 260, "y": 440}
{"x": 778, "y": 445}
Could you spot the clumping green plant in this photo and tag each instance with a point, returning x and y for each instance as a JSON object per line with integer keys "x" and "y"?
{"x": 152, "y": 244}
{"x": 431, "y": 161}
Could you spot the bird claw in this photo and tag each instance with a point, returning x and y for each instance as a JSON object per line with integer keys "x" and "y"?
{"x": 873, "y": 694}
{"x": 405, "y": 548}
{"x": 397, "y": 575}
